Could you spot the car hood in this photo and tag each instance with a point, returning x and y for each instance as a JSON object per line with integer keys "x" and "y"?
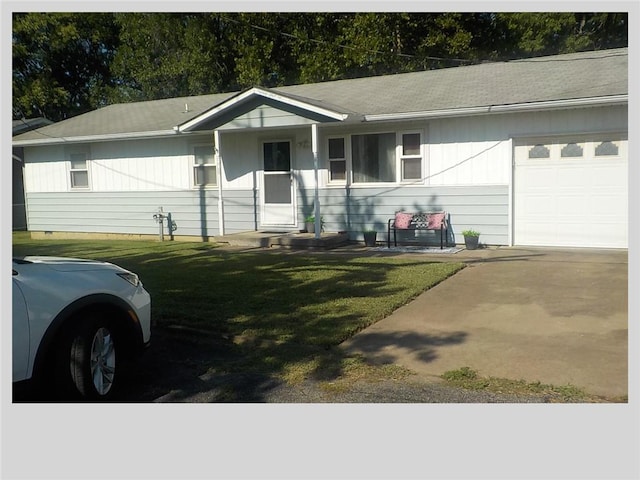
{"x": 64, "y": 264}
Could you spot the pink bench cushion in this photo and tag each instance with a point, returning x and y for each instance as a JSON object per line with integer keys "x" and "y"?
{"x": 435, "y": 221}
{"x": 403, "y": 220}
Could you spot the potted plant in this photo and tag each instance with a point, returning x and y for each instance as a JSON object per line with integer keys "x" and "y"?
{"x": 310, "y": 224}
{"x": 471, "y": 239}
{"x": 369, "y": 237}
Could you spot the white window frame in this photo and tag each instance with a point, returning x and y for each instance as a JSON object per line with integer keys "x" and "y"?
{"x": 402, "y": 157}
{"x": 351, "y": 172}
{"x": 195, "y": 166}
{"x": 399, "y": 159}
{"x": 338, "y": 159}
{"x": 73, "y": 170}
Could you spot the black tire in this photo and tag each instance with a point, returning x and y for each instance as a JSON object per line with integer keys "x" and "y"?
{"x": 93, "y": 359}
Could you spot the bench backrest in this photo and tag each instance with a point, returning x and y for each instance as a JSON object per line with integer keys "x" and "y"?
{"x": 420, "y": 220}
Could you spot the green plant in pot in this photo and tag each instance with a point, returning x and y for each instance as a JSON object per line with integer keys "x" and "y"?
{"x": 310, "y": 224}
{"x": 369, "y": 237}
{"x": 471, "y": 239}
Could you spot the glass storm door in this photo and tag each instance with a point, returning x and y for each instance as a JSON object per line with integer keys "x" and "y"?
{"x": 277, "y": 185}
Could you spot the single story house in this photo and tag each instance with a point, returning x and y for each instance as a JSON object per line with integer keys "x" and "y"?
{"x": 19, "y": 214}
{"x": 530, "y": 152}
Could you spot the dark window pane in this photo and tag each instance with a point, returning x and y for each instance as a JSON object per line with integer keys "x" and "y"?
{"x": 205, "y": 175}
{"x": 338, "y": 169}
{"x": 412, "y": 169}
{"x": 336, "y": 148}
{"x": 79, "y": 179}
{"x": 204, "y": 155}
{"x": 277, "y": 157}
{"x": 374, "y": 157}
{"x": 277, "y": 188}
{"x": 411, "y": 144}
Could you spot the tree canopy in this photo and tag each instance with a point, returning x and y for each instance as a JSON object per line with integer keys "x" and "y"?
{"x": 65, "y": 64}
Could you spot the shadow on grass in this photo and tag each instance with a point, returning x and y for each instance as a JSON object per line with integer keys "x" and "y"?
{"x": 254, "y": 316}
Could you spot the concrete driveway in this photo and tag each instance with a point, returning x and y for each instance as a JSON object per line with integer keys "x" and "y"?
{"x": 548, "y": 315}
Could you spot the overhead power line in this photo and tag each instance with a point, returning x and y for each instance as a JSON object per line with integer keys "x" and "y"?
{"x": 347, "y": 47}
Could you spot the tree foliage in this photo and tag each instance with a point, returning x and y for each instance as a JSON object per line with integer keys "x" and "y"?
{"x": 61, "y": 63}
{"x": 67, "y": 63}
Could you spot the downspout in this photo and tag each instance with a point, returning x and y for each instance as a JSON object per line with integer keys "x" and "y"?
{"x": 316, "y": 194}
{"x": 218, "y": 157}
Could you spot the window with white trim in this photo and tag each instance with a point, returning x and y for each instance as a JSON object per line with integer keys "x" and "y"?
{"x": 79, "y": 170}
{"x": 337, "y": 160}
{"x": 204, "y": 166}
{"x": 411, "y": 156}
{"x": 373, "y": 157}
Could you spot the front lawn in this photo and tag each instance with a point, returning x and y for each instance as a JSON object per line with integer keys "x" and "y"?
{"x": 280, "y": 311}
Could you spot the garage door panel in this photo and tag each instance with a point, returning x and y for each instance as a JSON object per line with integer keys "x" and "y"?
{"x": 570, "y": 201}
{"x": 535, "y": 204}
{"x": 571, "y": 206}
{"x": 603, "y": 206}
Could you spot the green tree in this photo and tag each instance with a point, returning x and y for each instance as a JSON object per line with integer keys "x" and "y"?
{"x": 61, "y": 63}
{"x": 68, "y": 63}
{"x": 527, "y": 34}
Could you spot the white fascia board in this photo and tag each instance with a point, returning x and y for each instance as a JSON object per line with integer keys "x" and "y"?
{"x": 516, "y": 107}
{"x": 303, "y": 105}
{"x": 238, "y": 99}
{"x": 93, "y": 138}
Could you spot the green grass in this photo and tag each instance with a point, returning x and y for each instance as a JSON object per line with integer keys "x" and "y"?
{"x": 282, "y": 313}
{"x": 468, "y": 378}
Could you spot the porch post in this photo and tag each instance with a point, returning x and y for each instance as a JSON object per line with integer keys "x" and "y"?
{"x": 316, "y": 195}
{"x": 218, "y": 158}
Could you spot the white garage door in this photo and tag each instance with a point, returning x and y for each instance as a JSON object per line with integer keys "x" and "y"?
{"x": 571, "y": 191}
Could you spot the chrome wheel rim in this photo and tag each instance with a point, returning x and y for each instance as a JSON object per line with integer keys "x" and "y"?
{"x": 103, "y": 361}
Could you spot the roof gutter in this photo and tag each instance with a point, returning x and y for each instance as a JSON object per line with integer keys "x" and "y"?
{"x": 51, "y": 140}
{"x": 515, "y": 107}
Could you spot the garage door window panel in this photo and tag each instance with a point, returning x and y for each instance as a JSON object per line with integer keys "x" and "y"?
{"x": 572, "y": 150}
{"x": 539, "y": 151}
{"x": 607, "y": 148}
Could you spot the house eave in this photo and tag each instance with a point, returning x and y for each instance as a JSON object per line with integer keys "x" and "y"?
{"x": 510, "y": 108}
{"x": 94, "y": 138}
{"x": 258, "y": 92}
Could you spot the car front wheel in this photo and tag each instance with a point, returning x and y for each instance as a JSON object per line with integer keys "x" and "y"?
{"x": 93, "y": 360}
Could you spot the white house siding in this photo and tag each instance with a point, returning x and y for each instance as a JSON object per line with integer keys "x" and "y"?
{"x": 483, "y": 207}
{"x": 123, "y": 212}
{"x": 134, "y": 165}
{"x": 45, "y": 169}
{"x": 265, "y": 116}
{"x": 469, "y": 151}
{"x": 468, "y": 169}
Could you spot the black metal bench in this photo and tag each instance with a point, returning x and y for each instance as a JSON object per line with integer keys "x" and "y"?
{"x": 417, "y": 221}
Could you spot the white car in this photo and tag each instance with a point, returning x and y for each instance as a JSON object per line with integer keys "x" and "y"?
{"x": 76, "y": 324}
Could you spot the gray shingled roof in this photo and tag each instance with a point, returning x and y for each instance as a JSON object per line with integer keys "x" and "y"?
{"x": 563, "y": 77}
{"x": 556, "y": 78}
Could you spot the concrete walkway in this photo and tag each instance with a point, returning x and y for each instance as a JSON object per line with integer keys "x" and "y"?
{"x": 548, "y": 315}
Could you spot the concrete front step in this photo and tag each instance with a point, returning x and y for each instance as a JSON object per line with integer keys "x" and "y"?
{"x": 285, "y": 240}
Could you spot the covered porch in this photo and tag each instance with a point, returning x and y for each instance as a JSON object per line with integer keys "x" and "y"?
{"x": 272, "y": 161}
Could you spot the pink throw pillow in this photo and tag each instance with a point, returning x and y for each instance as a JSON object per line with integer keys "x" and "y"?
{"x": 435, "y": 221}
{"x": 403, "y": 220}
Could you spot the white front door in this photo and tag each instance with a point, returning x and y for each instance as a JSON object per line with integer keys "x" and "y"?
{"x": 278, "y": 185}
{"x": 571, "y": 191}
